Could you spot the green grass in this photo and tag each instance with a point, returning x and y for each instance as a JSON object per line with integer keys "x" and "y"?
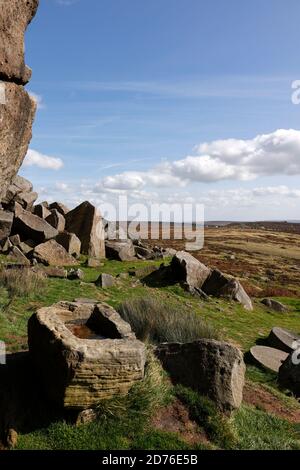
{"x": 248, "y": 428}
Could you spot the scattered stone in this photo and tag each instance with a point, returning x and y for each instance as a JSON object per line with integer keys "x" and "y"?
{"x": 70, "y": 242}
{"x": 30, "y": 226}
{"x": 86, "y": 222}
{"x": 146, "y": 253}
{"x": 289, "y": 373}
{"x": 6, "y": 221}
{"x": 76, "y": 274}
{"x": 57, "y": 220}
{"x": 78, "y": 373}
{"x": 86, "y": 416}
{"x": 51, "y": 253}
{"x": 143, "y": 271}
{"x": 270, "y": 358}
{"x": 220, "y": 285}
{"x": 282, "y": 339}
{"x": 56, "y": 272}
{"x": 105, "y": 281}
{"x": 213, "y": 368}
{"x": 187, "y": 269}
{"x": 41, "y": 211}
{"x": 16, "y": 255}
{"x": 274, "y": 305}
{"x": 94, "y": 263}
{"x": 61, "y": 208}
{"x": 121, "y": 250}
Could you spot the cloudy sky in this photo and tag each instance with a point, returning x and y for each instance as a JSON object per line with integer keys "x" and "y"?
{"x": 167, "y": 101}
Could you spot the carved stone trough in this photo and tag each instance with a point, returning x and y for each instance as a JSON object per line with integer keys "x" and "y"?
{"x": 84, "y": 353}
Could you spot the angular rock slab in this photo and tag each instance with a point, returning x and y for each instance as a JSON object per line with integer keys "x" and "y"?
{"x": 270, "y": 358}
{"x": 70, "y": 242}
{"x": 30, "y": 226}
{"x": 86, "y": 222}
{"x": 282, "y": 339}
{"x": 16, "y": 118}
{"x": 187, "y": 269}
{"x": 121, "y": 250}
{"x": 79, "y": 373}
{"x": 52, "y": 253}
{"x": 212, "y": 368}
{"x": 15, "y": 15}
{"x": 6, "y": 221}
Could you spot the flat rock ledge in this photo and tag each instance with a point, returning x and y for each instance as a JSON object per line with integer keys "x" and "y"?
{"x": 78, "y": 373}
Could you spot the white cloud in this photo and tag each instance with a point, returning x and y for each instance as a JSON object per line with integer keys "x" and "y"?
{"x": 241, "y": 160}
{"x": 38, "y": 100}
{"x": 34, "y": 158}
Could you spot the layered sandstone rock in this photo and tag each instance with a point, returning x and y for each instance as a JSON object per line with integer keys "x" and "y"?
{"x": 17, "y": 109}
{"x": 77, "y": 372}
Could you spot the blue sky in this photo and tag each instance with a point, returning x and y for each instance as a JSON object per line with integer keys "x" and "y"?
{"x": 130, "y": 91}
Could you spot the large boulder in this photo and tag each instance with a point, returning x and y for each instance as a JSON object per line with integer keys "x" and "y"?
{"x": 41, "y": 211}
{"x": 289, "y": 373}
{"x": 213, "y": 368}
{"x": 16, "y": 117}
{"x": 220, "y": 285}
{"x": 70, "y": 242}
{"x": 6, "y": 221}
{"x": 60, "y": 207}
{"x": 52, "y": 253}
{"x": 15, "y": 15}
{"x": 84, "y": 353}
{"x": 120, "y": 250}
{"x": 86, "y": 222}
{"x": 188, "y": 270}
{"x": 30, "y": 226}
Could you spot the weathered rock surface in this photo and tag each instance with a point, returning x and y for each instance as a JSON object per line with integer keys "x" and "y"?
{"x": 57, "y": 220}
{"x": 75, "y": 274}
{"x": 61, "y": 208}
{"x": 15, "y": 15}
{"x": 289, "y": 373}
{"x": 51, "y": 253}
{"x": 212, "y": 368}
{"x": 6, "y": 221}
{"x": 105, "y": 281}
{"x": 269, "y": 358}
{"x": 187, "y": 269}
{"x": 16, "y": 117}
{"x": 282, "y": 339}
{"x": 274, "y": 305}
{"x": 220, "y": 285}
{"x": 16, "y": 255}
{"x": 30, "y": 226}
{"x": 70, "y": 242}
{"x": 78, "y": 373}
{"x": 121, "y": 250}
{"x": 86, "y": 222}
{"x": 41, "y": 211}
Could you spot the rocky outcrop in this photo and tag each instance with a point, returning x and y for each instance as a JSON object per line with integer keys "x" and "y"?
{"x": 17, "y": 109}
{"x": 16, "y": 117}
{"x": 51, "y": 253}
{"x": 212, "y": 368}
{"x": 57, "y": 220}
{"x": 70, "y": 242}
{"x": 78, "y": 373}
{"x": 21, "y": 192}
{"x": 6, "y": 221}
{"x": 86, "y": 222}
{"x": 61, "y": 208}
{"x": 15, "y": 15}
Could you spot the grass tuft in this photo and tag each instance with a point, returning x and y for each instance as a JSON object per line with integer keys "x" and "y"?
{"x": 22, "y": 282}
{"x": 158, "y": 322}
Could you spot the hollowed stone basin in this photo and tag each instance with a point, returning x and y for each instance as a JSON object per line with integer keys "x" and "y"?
{"x": 84, "y": 353}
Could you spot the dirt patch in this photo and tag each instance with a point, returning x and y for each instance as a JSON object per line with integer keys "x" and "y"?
{"x": 175, "y": 418}
{"x": 265, "y": 400}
